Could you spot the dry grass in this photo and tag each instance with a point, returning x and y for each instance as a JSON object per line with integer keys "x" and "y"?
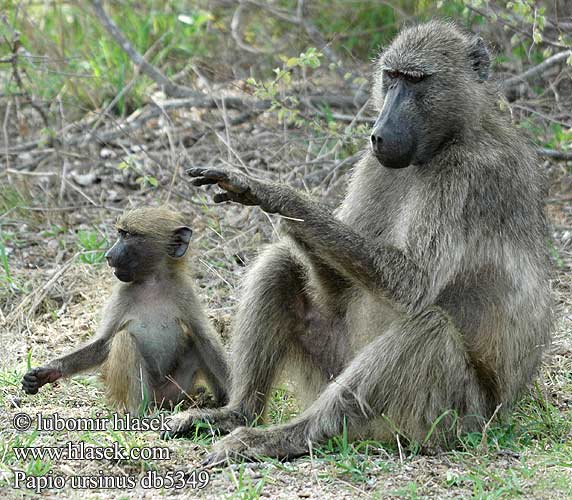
{"x": 529, "y": 456}
{"x": 50, "y": 301}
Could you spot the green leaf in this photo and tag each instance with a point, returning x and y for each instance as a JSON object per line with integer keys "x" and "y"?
{"x": 293, "y": 61}
{"x": 152, "y": 180}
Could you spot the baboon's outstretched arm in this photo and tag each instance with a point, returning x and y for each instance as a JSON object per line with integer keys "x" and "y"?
{"x": 377, "y": 268}
{"x": 95, "y": 351}
{"x": 87, "y": 356}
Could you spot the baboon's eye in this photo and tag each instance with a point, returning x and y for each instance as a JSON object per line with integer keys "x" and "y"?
{"x": 408, "y": 77}
{"x": 122, "y": 233}
{"x": 413, "y": 78}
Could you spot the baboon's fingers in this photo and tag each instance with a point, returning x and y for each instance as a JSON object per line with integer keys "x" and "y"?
{"x": 196, "y": 171}
{"x": 215, "y": 460}
{"x": 211, "y": 173}
{"x": 201, "y": 181}
{"x": 189, "y": 425}
{"x": 30, "y": 382}
{"x": 222, "y": 197}
{"x": 30, "y": 385}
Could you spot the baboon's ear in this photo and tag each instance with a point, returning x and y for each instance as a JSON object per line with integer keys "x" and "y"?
{"x": 480, "y": 59}
{"x": 180, "y": 242}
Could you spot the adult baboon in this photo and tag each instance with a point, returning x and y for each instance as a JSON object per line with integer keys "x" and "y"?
{"x": 154, "y": 342}
{"x": 420, "y": 303}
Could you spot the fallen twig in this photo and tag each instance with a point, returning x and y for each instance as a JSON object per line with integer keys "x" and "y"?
{"x": 554, "y": 154}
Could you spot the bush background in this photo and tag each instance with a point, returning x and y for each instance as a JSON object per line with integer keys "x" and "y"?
{"x": 279, "y": 89}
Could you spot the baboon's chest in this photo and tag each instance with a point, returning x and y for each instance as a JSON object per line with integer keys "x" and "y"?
{"x": 391, "y": 210}
{"x": 404, "y": 219}
{"x": 158, "y": 335}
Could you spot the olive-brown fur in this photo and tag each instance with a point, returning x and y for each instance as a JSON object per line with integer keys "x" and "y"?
{"x": 154, "y": 343}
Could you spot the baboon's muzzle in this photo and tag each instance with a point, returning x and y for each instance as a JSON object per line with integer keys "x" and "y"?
{"x": 392, "y": 139}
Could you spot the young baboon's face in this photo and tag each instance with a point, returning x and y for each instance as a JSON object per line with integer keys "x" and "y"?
{"x": 133, "y": 256}
{"x": 148, "y": 240}
{"x": 427, "y": 90}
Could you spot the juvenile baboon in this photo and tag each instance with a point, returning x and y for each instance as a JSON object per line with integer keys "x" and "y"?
{"x": 154, "y": 342}
{"x": 422, "y": 303}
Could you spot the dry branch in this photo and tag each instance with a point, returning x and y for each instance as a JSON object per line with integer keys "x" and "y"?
{"x": 554, "y": 154}
{"x": 187, "y": 97}
{"x": 537, "y": 70}
{"x": 170, "y": 88}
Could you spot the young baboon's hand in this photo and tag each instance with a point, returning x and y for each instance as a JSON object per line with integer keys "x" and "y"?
{"x": 239, "y": 188}
{"x": 38, "y": 377}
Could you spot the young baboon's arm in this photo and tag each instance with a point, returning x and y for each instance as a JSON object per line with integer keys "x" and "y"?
{"x": 210, "y": 350}
{"x": 375, "y": 267}
{"x": 91, "y": 354}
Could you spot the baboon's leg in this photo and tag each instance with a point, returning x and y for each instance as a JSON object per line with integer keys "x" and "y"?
{"x": 383, "y": 380}
{"x": 179, "y": 384}
{"x": 126, "y": 374}
{"x": 271, "y": 319}
{"x": 268, "y": 322}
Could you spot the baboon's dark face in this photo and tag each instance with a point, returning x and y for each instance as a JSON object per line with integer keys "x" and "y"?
{"x": 132, "y": 257}
{"x": 395, "y": 135}
{"x": 427, "y": 90}
{"x": 135, "y": 256}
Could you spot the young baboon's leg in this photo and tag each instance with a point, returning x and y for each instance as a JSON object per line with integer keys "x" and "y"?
{"x": 426, "y": 347}
{"x": 179, "y": 384}
{"x": 126, "y": 374}
{"x": 270, "y": 317}
{"x": 207, "y": 353}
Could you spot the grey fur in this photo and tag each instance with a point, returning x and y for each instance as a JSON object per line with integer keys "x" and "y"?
{"x": 422, "y": 303}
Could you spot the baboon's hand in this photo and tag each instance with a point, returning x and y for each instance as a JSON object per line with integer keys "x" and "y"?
{"x": 203, "y": 422}
{"x": 239, "y": 188}
{"x": 38, "y": 377}
{"x": 251, "y": 444}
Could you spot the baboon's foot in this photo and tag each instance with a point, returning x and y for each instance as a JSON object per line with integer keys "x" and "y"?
{"x": 212, "y": 422}
{"x": 252, "y": 444}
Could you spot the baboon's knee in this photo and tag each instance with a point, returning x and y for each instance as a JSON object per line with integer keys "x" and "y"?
{"x": 274, "y": 284}
{"x": 426, "y": 348}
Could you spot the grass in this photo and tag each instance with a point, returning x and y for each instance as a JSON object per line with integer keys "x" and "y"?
{"x": 526, "y": 454}
{"x": 529, "y": 453}
{"x": 246, "y": 487}
{"x": 67, "y": 48}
